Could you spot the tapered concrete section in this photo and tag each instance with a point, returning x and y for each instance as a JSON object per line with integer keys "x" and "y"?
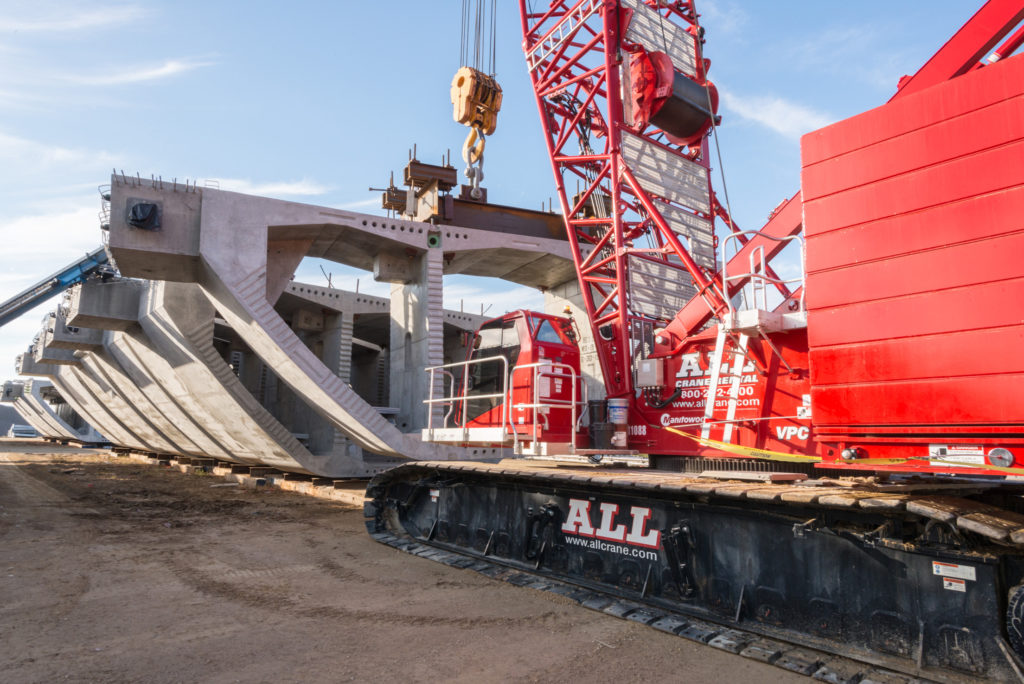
{"x": 13, "y": 394}
{"x": 65, "y": 336}
{"x": 79, "y": 397}
{"x": 125, "y": 349}
{"x": 106, "y": 304}
{"x": 242, "y": 250}
{"x": 106, "y": 380}
{"x": 178, "y": 321}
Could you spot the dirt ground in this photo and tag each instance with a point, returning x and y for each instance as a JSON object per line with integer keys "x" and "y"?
{"x": 114, "y": 571}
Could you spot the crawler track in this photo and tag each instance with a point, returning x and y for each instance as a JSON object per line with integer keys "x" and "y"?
{"x": 914, "y": 577}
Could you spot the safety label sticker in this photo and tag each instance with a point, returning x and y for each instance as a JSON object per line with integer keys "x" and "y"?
{"x": 954, "y": 584}
{"x": 958, "y": 454}
{"x": 954, "y": 570}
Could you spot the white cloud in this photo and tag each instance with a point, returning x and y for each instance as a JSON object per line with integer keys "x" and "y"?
{"x": 494, "y": 296}
{"x": 304, "y": 187}
{"x": 22, "y": 153}
{"x": 36, "y": 245}
{"x": 869, "y": 53}
{"x": 170, "y": 67}
{"x": 373, "y": 202}
{"x": 726, "y": 17}
{"x": 61, "y": 19}
{"x": 786, "y": 118}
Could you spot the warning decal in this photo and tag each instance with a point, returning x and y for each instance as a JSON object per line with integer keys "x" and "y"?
{"x": 954, "y": 584}
{"x": 954, "y": 570}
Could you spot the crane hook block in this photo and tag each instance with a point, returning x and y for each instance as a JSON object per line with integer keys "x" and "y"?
{"x": 476, "y": 98}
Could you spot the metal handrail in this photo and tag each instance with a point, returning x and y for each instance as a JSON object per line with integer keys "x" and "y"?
{"x": 539, "y": 370}
{"x": 464, "y": 397}
{"x": 759, "y": 281}
{"x": 549, "y": 367}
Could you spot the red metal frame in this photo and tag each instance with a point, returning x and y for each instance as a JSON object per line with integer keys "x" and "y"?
{"x": 574, "y": 51}
{"x": 960, "y": 54}
{"x": 572, "y": 79}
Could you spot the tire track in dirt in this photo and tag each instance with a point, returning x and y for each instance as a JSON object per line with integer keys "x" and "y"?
{"x": 260, "y": 596}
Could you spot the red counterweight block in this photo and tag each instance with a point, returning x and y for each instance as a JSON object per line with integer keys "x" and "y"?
{"x": 914, "y": 219}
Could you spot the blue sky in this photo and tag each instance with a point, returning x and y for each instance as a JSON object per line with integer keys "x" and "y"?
{"x": 317, "y": 101}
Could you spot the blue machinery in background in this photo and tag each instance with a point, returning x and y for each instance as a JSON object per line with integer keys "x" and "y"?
{"x": 72, "y": 274}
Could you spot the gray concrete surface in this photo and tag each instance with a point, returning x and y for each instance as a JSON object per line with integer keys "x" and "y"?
{"x": 242, "y": 251}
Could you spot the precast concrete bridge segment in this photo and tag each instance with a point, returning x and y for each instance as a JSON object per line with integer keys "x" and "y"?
{"x": 32, "y": 414}
{"x": 106, "y": 383}
{"x": 243, "y": 250}
{"x": 163, "y": 338}
{"x": 30, "y": 400}
{"x": 127, "y": 349}
{"x": 174, "y": 379}
{"x": 65, "y": 377}
{"x": 158, "y": 427}
{"x": 196, "y": 372}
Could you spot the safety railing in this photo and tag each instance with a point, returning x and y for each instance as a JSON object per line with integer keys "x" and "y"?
{"x": 540, "y": 406}
{"x": 758, "y": 273}
{"x": 546, "y": 369}
{"x": 464, "y": 397}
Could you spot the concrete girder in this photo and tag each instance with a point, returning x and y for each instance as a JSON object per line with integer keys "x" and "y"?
{"x": 178, "y": 321}
{"x": 146, "y": 417}
{"x": 242, "y": 249}
{"x": 111, "y": 409}
{"x": 31, "y": 415}
{"x": 92, "y": 375}
{"x": 44, "y": 352}
{"x": 13, "y": 393}
{"x": 79, "y": 397}
{"x": 132, "y": 407}
{"x": 55, "y": 426}
{"x": 53, "y": 404}
{"x": 65, "y": 336}
{"x": 139, "y": 361}
{"x": 105, "y": 304}
{"x": 109, "y": 303}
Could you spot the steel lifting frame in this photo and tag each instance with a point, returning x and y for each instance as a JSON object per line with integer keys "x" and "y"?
{"x": 574, "y": 51}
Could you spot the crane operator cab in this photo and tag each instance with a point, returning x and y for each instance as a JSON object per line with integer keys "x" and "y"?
{"x": 519, "y": 386}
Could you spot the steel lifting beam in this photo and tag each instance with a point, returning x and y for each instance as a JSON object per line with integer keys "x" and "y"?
{"x": 54, "y": 284}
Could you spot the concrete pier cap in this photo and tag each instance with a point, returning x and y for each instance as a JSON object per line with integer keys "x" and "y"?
{"x": 68, "y": 336}
{"x": 243, "y": 251}
{"x": 105, "y": 304}
{"x": 44, "y": 352}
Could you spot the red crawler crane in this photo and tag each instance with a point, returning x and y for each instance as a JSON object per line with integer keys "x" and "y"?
{"x": 627, "y": 108}
{"x": 900, "y": 359}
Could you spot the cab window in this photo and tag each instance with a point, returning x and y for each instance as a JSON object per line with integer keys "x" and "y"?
{"x": 497, "y": 338}
{"x": 547, "y": 333}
